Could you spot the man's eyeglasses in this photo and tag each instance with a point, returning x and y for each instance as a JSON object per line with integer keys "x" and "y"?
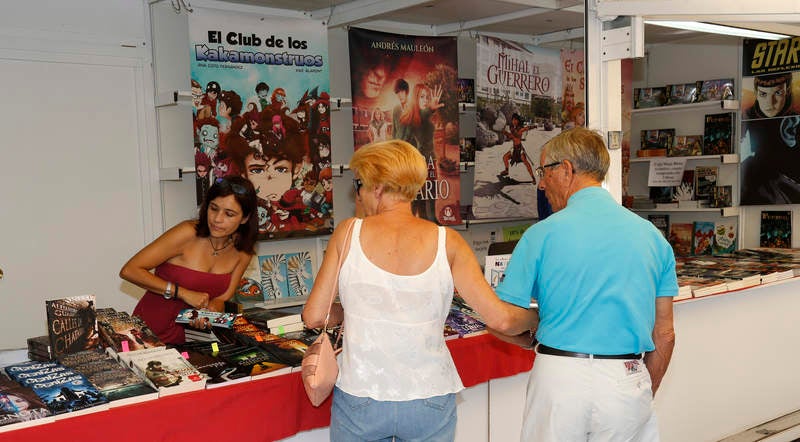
{"x": 357, "y": 184}
{"x": 539, "y": 171}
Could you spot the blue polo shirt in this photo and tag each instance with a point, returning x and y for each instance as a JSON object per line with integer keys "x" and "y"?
{"x": 595, "y": 268}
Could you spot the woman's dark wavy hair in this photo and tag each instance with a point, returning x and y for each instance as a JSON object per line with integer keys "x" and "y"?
{"x": 245, "y": 194}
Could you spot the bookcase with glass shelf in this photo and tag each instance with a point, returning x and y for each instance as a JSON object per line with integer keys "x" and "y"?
{"x": 686, "y": 119}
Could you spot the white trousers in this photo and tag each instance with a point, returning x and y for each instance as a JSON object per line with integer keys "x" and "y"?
{"x": 576, "y": 399}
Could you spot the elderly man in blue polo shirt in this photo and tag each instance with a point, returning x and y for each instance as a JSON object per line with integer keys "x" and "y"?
{"x": 604, "y": 279}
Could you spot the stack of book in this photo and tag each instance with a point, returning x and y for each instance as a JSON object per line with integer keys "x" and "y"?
{"x": 164, "y": 369}
{"x": 123, "y": 332}
{"x": 21, "y": 407}
{"x": 276, "y": 321}
{"x": 115, "y": 381}
{"x": 39, "y": 349}
{"x": 61, "y": 389}
{"x": 205, "y": 321}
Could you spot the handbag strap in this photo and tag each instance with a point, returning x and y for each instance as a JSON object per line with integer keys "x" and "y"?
{"x": 342, "y": 256}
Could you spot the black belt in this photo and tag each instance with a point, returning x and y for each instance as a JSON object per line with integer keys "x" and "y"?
{"x": 545, "y": 350}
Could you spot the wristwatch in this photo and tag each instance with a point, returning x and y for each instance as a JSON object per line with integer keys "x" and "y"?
{"x": 168, "y": 291}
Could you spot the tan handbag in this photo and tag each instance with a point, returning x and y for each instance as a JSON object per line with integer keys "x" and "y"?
{"x": 320, "y": 368}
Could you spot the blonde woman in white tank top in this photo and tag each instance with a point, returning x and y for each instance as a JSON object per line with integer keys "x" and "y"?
{"x": 397, "y": 379}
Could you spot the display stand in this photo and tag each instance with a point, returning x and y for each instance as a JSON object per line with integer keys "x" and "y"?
{"x": 266, "y": 409}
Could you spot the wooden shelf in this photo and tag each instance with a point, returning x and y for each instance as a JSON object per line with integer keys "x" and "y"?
{"x": 730, "y": 105}
{"x": 723, "y": 211}
{"x": 730, "y": 158}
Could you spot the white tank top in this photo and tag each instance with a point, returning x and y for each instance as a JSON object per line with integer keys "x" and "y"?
{"x": 394, "y": 348}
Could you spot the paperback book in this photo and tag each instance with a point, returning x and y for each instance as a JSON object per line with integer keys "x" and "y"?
{"x": 717, "y": 89}
{"x": 219, "y": 373}
{"x": 20, "y": 407}
{"x": 299, "y": 276}
{"x": 657, "y": 139}
{"x": 62, "y": 389}
{"x": 649, "y": 97}
{"x": 723, "y": 196}
{"x": 168, "y": 371}
{"x": 273, "y": 276}
{"x": 705, "y": 181}
{"x": 703, "y": 238}
{"x": 72, "y": 324}
{"x": 464, "y": 324}
{"x": 776, "y": 228}
{"x": 208, "y": 317}
{"x": 256, "y": 362}
{"x": 686, "y": 146}
{"x": 718, "y": 134}
{"x": 118, "y": 327}
{"x": 683, "y": 93}
{"x": 115, "y": 381}
{"x": 661, "y": 221}
{"x": 680, "y": 237}
{"x": 725, "y": 234}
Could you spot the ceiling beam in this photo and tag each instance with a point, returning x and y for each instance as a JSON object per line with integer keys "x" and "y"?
{"x": 549, "y": 4}
{"x": 721, "y": 9}
{"x": 360, "y": 10}
{"x": 566, "y": 34}
{"x": 449, "y": 28}
{"x": 398, "y": 27}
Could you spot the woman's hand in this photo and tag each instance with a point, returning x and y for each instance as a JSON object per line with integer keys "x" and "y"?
{"x": 436, "y": 96}
{"x": 195, "y": 299}
{"x": 200, "y": 324}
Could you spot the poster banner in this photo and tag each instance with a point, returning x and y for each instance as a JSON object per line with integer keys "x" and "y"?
{"x": 573, "y": 101}
{"x": 518, "y": 93}
{"x": 261, "y": 109}
{"x": 770, "y": 113}
{"x": 405, "y": 87}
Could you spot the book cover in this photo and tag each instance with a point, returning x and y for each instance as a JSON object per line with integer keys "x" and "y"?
{"x": 683, "y": 93}
{"x": 723, "y": 196}
{"x": 657, "y": 139}
{"x": 273, "y": 317}
{"x": 250, "y": 289}
{"x": 168, "y": 371}
{"x": 702, "y": 238}
{"x": 72, "y": 324}
{"x": 216, "y": 319}
{"x": 466, "y": 90}
{"x": 464, "y": 324}
{"x": 661, "y": 221}
{"x": 299, "y": 276}
{"x": 705, "y": 181}
{"x": 686, "y": 146}
{"x": 219, "y": 372}
{"x": 20, "y": 406}
{"x": 118, "y": 327}
{"x": 661, "y": 194}
{"x": 725, "y": 234}
{"x": 776, "y": 228}
{"x": 718, "y": 134}
{"x": 685, "y": 190}
{"x": 62, "y": 389}
{"x": 466, "y": 147}
{"x": 649, "y": 97}
{"x": 680, "y": 237}
{"x": 717, "y": 89}
{"x": 273, "y": 276}
{"x": 257, "y": 362}
{"x": 495, "y": 268}
{"x": 286, "y": 351}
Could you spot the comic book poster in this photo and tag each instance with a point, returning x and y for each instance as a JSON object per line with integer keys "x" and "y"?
{"x": 518, "y": 93}
{"x": 261, "y": 109}
{"x": 404, "y": 87}
{"x": 573, "y": 84}
{"x": 770, "y": 130}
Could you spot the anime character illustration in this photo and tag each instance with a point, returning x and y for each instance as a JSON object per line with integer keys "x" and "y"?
{"x": 210, "y": 98}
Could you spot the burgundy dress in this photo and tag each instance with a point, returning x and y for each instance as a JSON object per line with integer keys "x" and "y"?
{"x": 160, "y": 313}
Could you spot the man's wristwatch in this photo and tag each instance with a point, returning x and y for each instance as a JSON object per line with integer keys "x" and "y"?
{"x": 168, "y": 291}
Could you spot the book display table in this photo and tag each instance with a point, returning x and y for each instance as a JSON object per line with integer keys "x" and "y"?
{"x": 265, "y": 409}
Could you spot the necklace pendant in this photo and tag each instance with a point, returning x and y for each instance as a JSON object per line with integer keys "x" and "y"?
{"x": 214, "y": 253}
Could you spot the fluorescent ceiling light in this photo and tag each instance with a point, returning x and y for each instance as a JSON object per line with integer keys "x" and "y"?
{"x": 717, "y": 29}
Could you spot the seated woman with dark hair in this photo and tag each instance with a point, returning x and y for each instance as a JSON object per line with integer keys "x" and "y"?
{"x": 198, "y": 263}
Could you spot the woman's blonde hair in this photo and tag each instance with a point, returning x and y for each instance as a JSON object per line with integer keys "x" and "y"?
{"x": 394, "y": 164}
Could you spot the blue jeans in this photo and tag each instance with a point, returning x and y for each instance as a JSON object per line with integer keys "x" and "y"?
{"x": 356, "y": 418}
